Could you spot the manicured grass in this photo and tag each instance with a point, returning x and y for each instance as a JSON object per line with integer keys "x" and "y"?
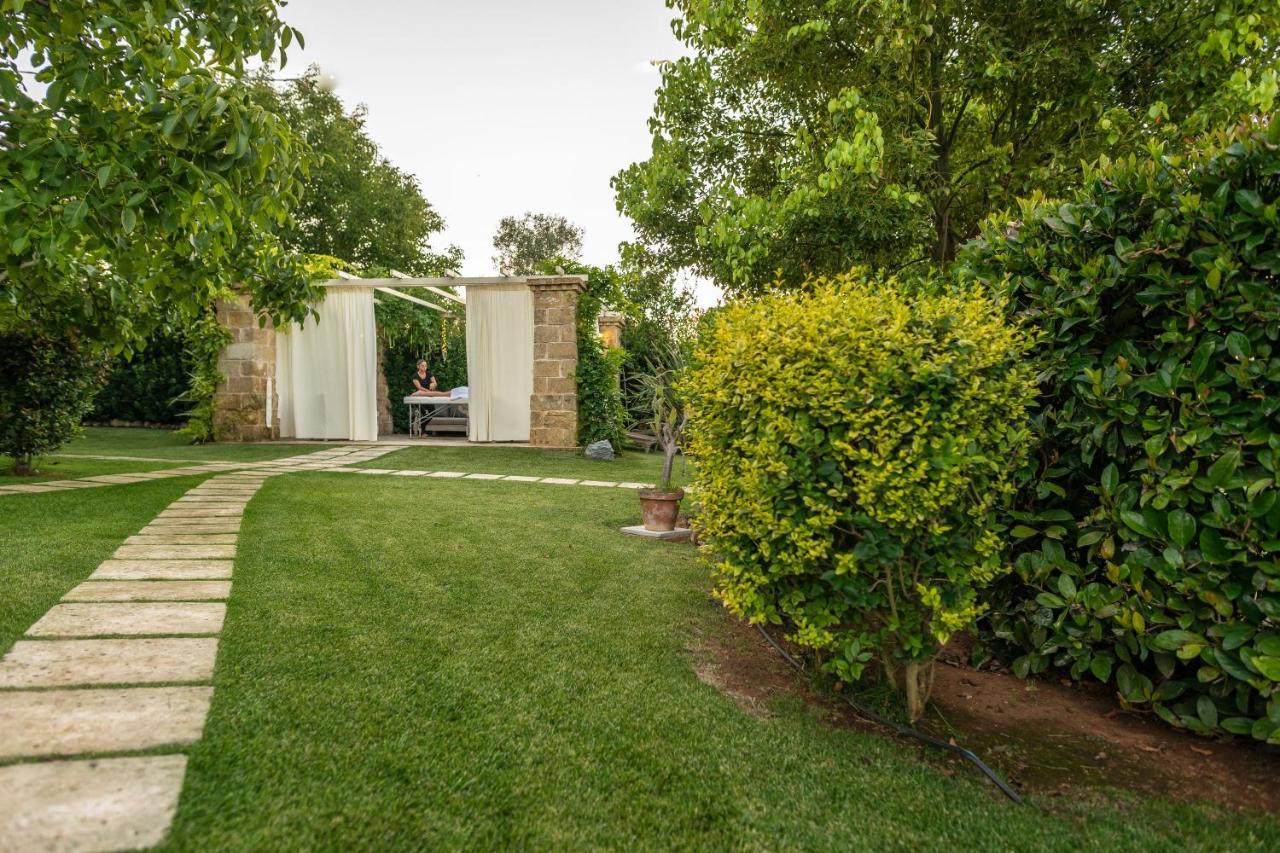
{"x": 631, "y": 466}
{"x": 425, "y": 664}
{"x": 54, "y": 540}
{"x": 68, "y": 468}
{"x": 168, "y": 444}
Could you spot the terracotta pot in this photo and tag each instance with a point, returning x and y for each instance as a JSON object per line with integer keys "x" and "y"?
{"x": 660, "y": 509}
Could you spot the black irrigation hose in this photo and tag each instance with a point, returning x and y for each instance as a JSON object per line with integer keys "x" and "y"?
{"x": 907, "y": 730}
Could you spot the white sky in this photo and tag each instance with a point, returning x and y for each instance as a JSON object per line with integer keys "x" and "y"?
{"x": 500, "y": 106}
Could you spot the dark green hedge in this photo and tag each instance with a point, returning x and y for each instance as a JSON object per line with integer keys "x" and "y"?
{"x": 146, "y": 387}
{"x": 1148, "y": 548}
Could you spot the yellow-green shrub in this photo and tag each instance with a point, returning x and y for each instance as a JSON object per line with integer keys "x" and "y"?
{"x": 851, "y": 444}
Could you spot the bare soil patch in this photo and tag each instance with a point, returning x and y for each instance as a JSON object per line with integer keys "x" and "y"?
{"x": 1047, "y": 737}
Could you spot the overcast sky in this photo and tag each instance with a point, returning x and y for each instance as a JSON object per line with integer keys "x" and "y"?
{"x": 500, "y": 106}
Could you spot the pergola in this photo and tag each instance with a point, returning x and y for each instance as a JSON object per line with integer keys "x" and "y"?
{"x": 320, "y": 380}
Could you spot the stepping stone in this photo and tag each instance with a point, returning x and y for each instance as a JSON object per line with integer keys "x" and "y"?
{"x": 175, "y": 552}
{"x": 520, "y": 478}
{"x": 409, "y": 473}
{"x": 201, "y": 512}
{"x": 224, "y": 490}
{"x": 180, "y": 521}
{"x": 162, "y": 570}
{"x": 345, "y": 470}
{"x": 377, "y": 471}
{"x": 74, "y": 722}
{"x": 604, "y": 483}
{"x": 451, "y": 474}
{"x": 484, "y": 476}
{"x": 150, "y": 591}
{"x": 631, "y": 486}
{"x": 33, "y": 488}
{"x": 182, "y": 538}
{"x": 76, "y": 484}
{"x": 559, "y": 481}
{"x": 69, "y": 663}
{"x": 102, "y": 804}
{"x": 205, "y": 498}
{"x": 115, "y": 479}
{"x": 129, "y": 619}
{"x": 212, "y": 526}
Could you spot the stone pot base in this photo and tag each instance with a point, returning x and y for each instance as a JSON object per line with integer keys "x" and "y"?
{"x": 680, "y": 534}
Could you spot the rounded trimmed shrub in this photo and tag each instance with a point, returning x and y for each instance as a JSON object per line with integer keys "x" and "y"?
{"x": 852, "y": 444}
{"x": 1150, "y": 521}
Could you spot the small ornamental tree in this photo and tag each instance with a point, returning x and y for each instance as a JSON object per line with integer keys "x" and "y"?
{"x": 48, "y": 387}
{"x": 1149, "y": 524}
{"x": 852, "y": 444}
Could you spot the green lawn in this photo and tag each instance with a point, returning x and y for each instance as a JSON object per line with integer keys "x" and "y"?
{"x": 69, "y": 468}
{"x": 54, "y": 540}
{"x": 168, "y": 444}
{"x": 631, "y": 466}
{"x": 441, "y": 664}
{"x": 414, "y": 663}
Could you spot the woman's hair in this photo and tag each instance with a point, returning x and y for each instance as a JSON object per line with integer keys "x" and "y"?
{"x": 421, "y": 361}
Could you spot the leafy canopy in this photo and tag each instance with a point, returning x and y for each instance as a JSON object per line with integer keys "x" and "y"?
{"x": 357, "y": 205}
{"x": 803, "y": 136}
{"x": 137, "y": 175}
{"x": 523, "y": 243}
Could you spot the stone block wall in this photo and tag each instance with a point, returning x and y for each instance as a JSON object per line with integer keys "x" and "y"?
{"x": 553, "y": 407}
{"x": 246, "y": 404}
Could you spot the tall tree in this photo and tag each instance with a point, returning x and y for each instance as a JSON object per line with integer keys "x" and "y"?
{"x": 356, "y": 204}
{"x": 804, "y": 136}
{"x": 137, "y": 175}
{"x": 522, "y": 243}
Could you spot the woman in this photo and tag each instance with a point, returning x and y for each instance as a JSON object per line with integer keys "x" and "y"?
{"x": 424, "y": 382}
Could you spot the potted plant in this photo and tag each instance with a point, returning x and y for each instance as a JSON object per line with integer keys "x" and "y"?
{"x": 661, "y": 506}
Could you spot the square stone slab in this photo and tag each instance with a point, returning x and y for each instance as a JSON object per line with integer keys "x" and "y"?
{"x": 217, "y": 526}
{"x": 102, "y": 804}
{"x": 74, "y": 722}
{"x": 116, "y": 479}
{"x": 449, "y": 474}
{"x": 32, "y": 488}
{"x": 174, "y": 552}
{"x": 559, "y": 481}
{"x": 162, "y": 570}
{"x": 182, "y": 539}
{"x": 132, "y": 619}
{"x": 608, "y": 484}
{"x": 520, "y": 478}
{"x": 409, "y": 473}
{"x": 484, "y": 476}
{"x": 72, "y": 663}
{"x": 150, "y": 591}
{"x": 680, "y": 534}
{"x": 229, "y": 491}
{"x": 633, "y": 486}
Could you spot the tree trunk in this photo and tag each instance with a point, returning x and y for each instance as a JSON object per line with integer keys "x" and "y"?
{"x": 918, "y": 682}
{"x": 22, "y": 465}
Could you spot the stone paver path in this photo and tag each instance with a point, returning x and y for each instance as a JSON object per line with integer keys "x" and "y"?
{"x": 123, "y": 665}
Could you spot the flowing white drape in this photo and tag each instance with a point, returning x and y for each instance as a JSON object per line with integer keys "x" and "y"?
{"x": 500, "y": 361}
{"x": 326, "y": 371}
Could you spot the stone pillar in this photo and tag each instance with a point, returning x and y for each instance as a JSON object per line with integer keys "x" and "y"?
{"x": 246, "y": 406}
{"x": 386, "y": 426}
{"x": 553, "y": 407}
{"x": 610, "y": 325}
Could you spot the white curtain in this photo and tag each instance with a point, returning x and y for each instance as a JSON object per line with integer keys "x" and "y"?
{"x": 326, "y": 371}
{"x": 500, "y": 361}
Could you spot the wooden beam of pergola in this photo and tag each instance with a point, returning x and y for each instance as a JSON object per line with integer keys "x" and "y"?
{"x": 436, "y": 290}
{"x": 406, "y": 297}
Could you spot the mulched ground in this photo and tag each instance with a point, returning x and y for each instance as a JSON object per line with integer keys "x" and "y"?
{"x": 1047, "y": 737}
